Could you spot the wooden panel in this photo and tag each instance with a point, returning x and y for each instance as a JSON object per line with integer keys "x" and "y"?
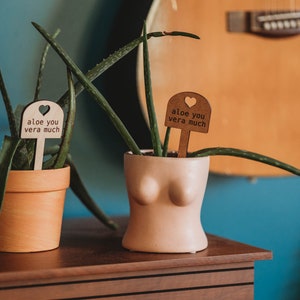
{"x": 238, "y": 292}
{"x": 222, "y": 293}
{"x": 141, "y": 283}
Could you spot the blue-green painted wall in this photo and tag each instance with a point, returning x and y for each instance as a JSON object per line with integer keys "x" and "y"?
{"x": 264, "y": 213}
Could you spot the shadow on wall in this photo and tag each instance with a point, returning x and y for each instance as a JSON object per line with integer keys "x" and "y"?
{"x": 118, "y": 84}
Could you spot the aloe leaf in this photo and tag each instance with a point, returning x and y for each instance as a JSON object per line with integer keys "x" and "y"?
{"x": 18, "y": 114}
{"x": 53, "y": 152}
{"x": 81, "y": 192}
{"x": 66, "y": 139}
{"x": 8, "y": 107}
{"x": 166, "y": 141}
{"x": 24, "y": 156}
{"x": 86, "y": 82}
{"x": 42, "y": 67}
{"x": 78, "y": 188}
{"x": 156, "y": 143}
{"x": 113, "y": 58}
{"x": 245, "y": 154}
{"x": 95, "y": 93}
{"x": 9, "y": 147}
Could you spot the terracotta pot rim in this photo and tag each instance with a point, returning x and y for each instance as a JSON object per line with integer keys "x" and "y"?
{"x": 39, "y": 171}
{"x": 38, "y": 180}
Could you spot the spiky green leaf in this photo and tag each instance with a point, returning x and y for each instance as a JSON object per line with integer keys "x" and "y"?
{"x": 113, "y": 58}
{"x": 68, "y": 131}
{"x": 42, "y": 67}
{"x": 245, "y": 154}
{"x": 155, "y": 138}
{"x": 81, "y": 192}
{"x": 9, "y": 147}
{"x": 94, "y": 92}
{"x": 9, "y": 111}
{"x": 166, "y": 141}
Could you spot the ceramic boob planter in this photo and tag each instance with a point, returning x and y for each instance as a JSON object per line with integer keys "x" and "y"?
{"x": 165, "y": 196}
{"x": 31, "y": 214}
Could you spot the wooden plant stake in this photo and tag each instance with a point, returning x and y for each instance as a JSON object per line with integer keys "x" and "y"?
{"x": 41, "y": 120}
{"x": 188, "y": 111}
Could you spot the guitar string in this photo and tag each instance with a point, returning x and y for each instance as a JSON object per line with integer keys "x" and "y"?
{"x": 275, "y": 5}
{"x": 270, "y": 6}
{"x": 292, "y": 5}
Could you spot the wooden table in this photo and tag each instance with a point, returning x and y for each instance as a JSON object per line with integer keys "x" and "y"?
{"x": 91, "y": 264}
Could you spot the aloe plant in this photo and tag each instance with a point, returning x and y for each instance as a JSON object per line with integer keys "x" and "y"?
{"x": 85, "y": 82}
{"x": 18, "y": 154}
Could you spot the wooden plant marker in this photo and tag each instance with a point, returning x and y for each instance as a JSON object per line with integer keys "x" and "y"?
{"x": 188, "y": 111}
{"x": 41, "y": 120}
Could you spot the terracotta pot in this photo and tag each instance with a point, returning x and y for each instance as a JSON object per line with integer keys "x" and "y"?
{"x": 32, "y": 211}
{"x": 165, "y": 196}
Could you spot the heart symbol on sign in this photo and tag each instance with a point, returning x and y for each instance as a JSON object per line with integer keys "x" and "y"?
{"x": 190, "y": 101}
{"x": 44, "y": 109}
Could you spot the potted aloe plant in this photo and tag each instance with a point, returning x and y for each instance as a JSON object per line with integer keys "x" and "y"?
{"x": 32, "y": 198}
{"x": 165, "y": 191}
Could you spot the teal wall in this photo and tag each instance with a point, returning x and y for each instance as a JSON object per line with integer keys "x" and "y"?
{"x": 264, "y": 213}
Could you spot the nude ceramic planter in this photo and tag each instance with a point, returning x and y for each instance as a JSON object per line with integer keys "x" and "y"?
{"x": 31, "y": 214}
{"x": 165, "y": 196}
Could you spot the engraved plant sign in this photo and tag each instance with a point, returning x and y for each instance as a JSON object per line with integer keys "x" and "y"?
{"x": 41, "y": 120}
{"x": 188, "y": 111}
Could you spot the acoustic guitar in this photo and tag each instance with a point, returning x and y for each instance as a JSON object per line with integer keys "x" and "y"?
{"x": 247, "y": 64}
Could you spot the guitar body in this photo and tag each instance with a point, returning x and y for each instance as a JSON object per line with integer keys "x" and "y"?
{"x": 252, "y": 81}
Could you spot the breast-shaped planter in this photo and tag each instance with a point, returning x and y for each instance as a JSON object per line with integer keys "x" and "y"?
{"x": 165, "y": 196}
{"x": 32, "y": 210}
